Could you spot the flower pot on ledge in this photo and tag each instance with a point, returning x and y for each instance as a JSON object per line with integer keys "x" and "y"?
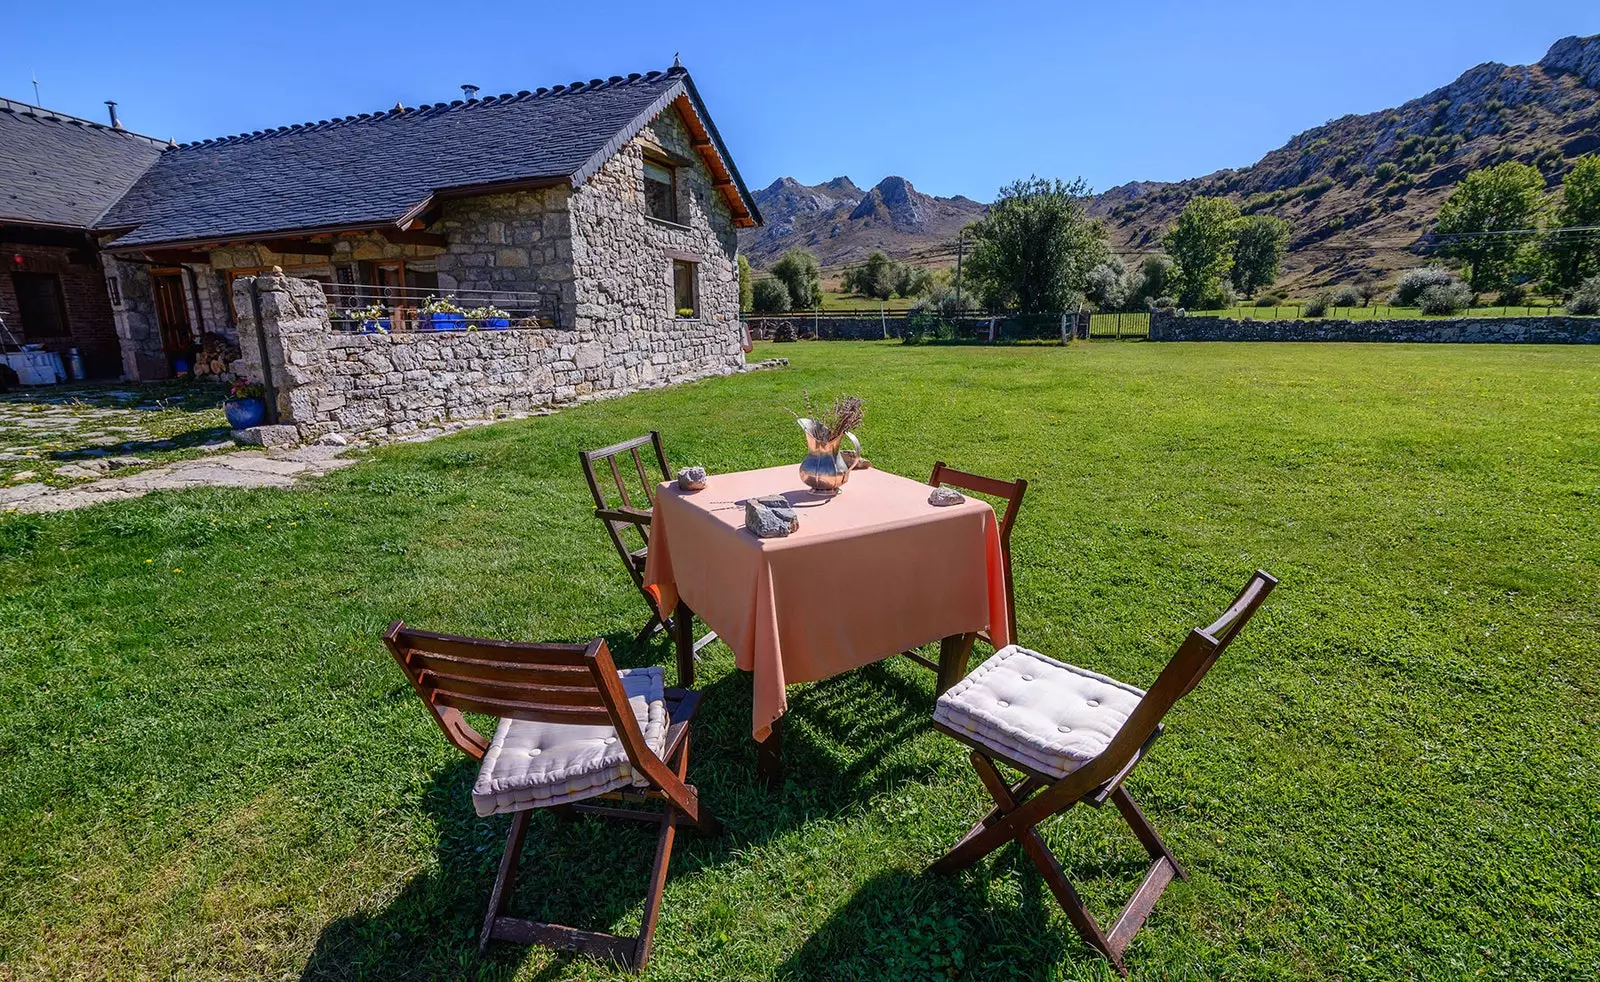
{"x": 444, "y": 322}
{"x": 245, "y": 413}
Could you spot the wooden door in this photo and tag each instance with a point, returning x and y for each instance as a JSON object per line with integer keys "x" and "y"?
{"x": 172, "y": 314}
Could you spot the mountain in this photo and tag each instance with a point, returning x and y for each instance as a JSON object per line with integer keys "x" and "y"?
{"x": 1358, "y": 192}
{"x": 840, "y": 223}
{"x": 1347, "y": 212}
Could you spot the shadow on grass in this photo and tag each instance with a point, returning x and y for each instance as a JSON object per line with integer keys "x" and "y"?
{"x": 591, "y": 873}
{"x": 177, "y": 441}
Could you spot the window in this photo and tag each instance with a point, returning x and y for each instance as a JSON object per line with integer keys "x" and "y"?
{"x": 660, "y": 191}
{"x": 40, "y": 306}
{"x": 683, "y": 298}
{"x": 114, "y": 290}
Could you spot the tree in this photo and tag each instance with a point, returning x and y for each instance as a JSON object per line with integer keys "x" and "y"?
{"x": 911, "y": 281}
{"x": 1367, "y": 288}
{"x": 874, "y": 277}
{"x": 1201, "y": 242}
{"x": 1575, "y": 256}
{"x": 1154, "y": 278}
{"x": 1033, "y": 251}
{"x": 1260, "y": 245}
{"x": 800, "y": 275}
{"x": 1104, "y": 286}
{"x": 1508, "y": 197}
{"x": 747, "y": 297}
{"x": 768, "y": 295}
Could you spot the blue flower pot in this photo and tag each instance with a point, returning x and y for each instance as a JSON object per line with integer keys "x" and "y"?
{"x": 497, "y": 323}
{"x": 444, "y": 322}
{"x": 245, "y": 413}
{"x": 375, "y": 327}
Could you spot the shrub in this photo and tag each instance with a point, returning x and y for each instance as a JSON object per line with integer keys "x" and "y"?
{"x": 1317, "y": 305}
{"x": 1445, "y": 298}
{"x": 1408, "y": 290}
{"x": 1164, "y": 303}
{"x": 1104, "y": 286}
{"x": 1269, "y": 300}
{"x": 1585, "y": 301}
{"x": 1385, "y": 172}
{"x": 1347, "y": 296}
{"x": 1219, "y": 296}
{"x": 1514, "y": 295}
{"x": 770, "y": 296}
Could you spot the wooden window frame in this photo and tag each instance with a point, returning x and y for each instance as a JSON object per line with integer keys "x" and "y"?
{"x": 694, "y": 288}
{"x": 61, "y": 306}
{"x": 671, "y": 167}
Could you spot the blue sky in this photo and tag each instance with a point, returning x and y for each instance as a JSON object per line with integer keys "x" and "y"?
{"x": 957, "y": 98}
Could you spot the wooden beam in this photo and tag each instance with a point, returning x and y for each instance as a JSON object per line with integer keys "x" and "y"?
{"x": 299, "y": 247}
{"x": 173, "y": 257}
{"x": 411, "y": 237}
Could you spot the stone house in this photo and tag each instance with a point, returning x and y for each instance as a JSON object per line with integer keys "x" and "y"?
{"x": 58, "y": 175}
{"x": 608, "y": 208}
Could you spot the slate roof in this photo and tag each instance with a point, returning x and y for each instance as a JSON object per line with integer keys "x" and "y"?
{"x": 370, "y": 170}
{"x": 64, "y": 171}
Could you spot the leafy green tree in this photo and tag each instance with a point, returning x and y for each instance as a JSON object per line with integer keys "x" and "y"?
{"x": 1261, "y": 242}
{"x": 1104, "y": 285}
{"x": 1505, "y": 198}
{"x": 911, "y": 281}
{"x": 747, "y": 297}
{"x": 874, "y": 277}
{"x": 1033, "y": 251}
{"x": 1154, "y": 278}
{"x": 801, "y": 276}
{"x": 1575, "y": 256}
{"x": 1201, "y": 241}
{"x": 768, "y": 295}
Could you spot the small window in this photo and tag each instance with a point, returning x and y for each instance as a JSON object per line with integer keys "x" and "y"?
{"x": 40, "y": 306}
{"x": 114, "y": 291}
{"x": 660, "y": 191}
{"x": 683, "y": 293}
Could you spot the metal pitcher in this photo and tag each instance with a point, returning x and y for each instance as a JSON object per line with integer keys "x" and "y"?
{"x": 825, "y": 469}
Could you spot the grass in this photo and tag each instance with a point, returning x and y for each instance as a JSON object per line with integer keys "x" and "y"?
{"x": 212, "y": 769}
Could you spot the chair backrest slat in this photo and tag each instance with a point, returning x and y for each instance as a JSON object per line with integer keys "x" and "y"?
{"x": 623, "y": 534}
{"x": 549, "y": 683}
{"x": 1011, "y": 493}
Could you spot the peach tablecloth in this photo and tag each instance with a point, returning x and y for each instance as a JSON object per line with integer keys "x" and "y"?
{"x": 871, "y": 572}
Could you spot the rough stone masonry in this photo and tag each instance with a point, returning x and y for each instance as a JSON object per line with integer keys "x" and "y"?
{"x": 328, "y": 381}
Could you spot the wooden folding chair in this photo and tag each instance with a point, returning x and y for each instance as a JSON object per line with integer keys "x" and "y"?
{"x": 626, "y": 522}
{"x": 572, "y": 728}
{"x": 1011, "y": 493}
{"x": 1074, "y": 736}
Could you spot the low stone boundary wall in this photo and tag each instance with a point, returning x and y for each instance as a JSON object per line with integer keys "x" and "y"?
{"x": 1167, "y": 326}
{"x": 326, "y": 381}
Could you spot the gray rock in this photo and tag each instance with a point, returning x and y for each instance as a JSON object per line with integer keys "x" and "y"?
{"x": 267, "y": 436}
{"x": 691, "y": 478}
{"x": 332, "y": 440}
{"x": 118, "y": 463}
{"x": 942, "y": 497}
{"x": 771, "y": 517}
{"x": 88, "y": 468}
{"x": 24, "y": 475}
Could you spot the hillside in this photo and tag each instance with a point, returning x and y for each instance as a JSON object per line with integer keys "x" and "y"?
{"x": 1347, "y": 213}
{"x": 1345, "y": 217}
{"x": 841, "y": 223}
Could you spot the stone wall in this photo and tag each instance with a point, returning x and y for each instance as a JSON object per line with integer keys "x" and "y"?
{"x": 1167, "y": 326}
{"x": 90, "y": 325}
{"x": 327, "y": 381}
{"x": 520, "y": 242}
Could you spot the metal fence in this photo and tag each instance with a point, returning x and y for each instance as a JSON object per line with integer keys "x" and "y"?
{"x": 1119, "y": 325}
{"x": 378, "y": 309}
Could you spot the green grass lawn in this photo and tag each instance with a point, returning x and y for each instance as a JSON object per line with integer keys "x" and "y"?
{"x": 212, "y": 769}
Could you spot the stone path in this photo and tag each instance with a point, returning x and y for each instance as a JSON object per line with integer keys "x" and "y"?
{"x": 248, "y": 469}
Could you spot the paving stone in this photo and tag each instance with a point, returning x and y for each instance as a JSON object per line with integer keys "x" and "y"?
{"x": 24, "y": 475}
{"x": 89, "y": 468}
{"x": 118, "y": 463}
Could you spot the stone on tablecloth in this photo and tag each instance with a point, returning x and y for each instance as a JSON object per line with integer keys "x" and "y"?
{"x": 691, "y": 478}
{"x": 945, "y": 496}
{"x": 770, "y": 517}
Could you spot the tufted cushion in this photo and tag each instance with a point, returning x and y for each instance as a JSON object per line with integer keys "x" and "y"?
{"x": 536, "y": 765}
{"x": 1035, "y": 710}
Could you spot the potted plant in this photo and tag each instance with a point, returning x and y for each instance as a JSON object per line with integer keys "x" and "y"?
{"x": 372, "y": 319}
{"x": 489, "y": 318}
{"x": 442, "y": 314}
{"x": 245, "y": 406}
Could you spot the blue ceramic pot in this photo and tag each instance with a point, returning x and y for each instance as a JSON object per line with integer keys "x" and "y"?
{"x": 375, "y": 327}
{"x": 497, "y": 323}
{"x": 444, "y": 322}
{"x": 245, "y": 413}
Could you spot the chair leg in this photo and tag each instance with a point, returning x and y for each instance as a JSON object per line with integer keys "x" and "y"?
{"x": 649, "y": 630}
{"x": 658, "y": 883}
{"x": 1148, "y": 836}
{"x": 1083, "y": 921}
{"x": 501, "y": 894}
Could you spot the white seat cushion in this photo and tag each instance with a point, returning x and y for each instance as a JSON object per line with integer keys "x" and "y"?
{"x": 537, "y": 765}
{"x": 1037, "y": 711}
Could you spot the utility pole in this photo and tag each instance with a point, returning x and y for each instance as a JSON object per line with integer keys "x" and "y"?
{"x": 961, "y": 245}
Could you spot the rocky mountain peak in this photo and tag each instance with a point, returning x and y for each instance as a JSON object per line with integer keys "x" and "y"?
{"x": 1575, "y": 56}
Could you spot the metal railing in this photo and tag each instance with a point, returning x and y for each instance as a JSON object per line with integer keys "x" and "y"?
{"x": 370, "y": 308}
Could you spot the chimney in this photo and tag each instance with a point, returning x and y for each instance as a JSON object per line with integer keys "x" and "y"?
{"x": 471, "y": 92}
{"x": 116, "y": 123}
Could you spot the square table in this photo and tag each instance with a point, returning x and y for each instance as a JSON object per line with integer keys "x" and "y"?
{"x": 871, "y": 572}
